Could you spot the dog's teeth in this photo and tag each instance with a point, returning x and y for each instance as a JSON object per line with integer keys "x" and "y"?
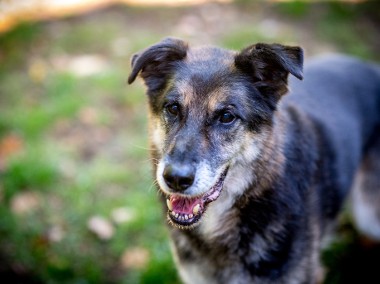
{"x": 169, "y": 204}
{"x": 176, "y": 215}
{"x": 186, "y": 217}
{"x": 190, "y": 216}
{"x": 196, "y": 209}
{"x": 173, "y": 213}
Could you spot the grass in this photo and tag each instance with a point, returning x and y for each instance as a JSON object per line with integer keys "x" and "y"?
{"x": 83, "y": 149}
{"x": 74, "y": 176}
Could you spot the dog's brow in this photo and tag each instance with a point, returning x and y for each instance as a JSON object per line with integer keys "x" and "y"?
{"x": 185, "y": 90}
{"x": 219, "y": 97}
{"x": 172, "y": 96}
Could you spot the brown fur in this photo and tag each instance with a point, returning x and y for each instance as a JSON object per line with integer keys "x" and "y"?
{"x": 254, "y": 176}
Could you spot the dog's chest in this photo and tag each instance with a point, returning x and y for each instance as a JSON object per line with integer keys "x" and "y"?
{"x": 218, "y": 221}
{"x": 207, "y": 269}
{"x": 207, "y": 254}
{"x": 200, "y": 274}
{"x": 221, "y": 218}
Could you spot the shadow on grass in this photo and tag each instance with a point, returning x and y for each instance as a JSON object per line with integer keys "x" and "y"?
{"x": 351, "y": 258}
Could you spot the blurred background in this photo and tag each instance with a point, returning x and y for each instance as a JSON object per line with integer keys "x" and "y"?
{"x": 77, "y": 198}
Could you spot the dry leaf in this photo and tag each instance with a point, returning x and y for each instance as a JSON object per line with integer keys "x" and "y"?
{"x": 135, "y": 258}
{"x": 55, "y": 233}
{"x": 10, "y": 145}
{"x": 123, "y": 215}
{"x": 38, "y": 70}
{"x": 86, "y": 65}
{"x": 88, "y": 115}
{"x": 25, "y": 202}
{"x": 101, "y": 227}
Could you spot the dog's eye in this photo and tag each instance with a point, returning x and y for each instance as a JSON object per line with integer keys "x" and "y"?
{"x": 173, "y": 109}
{"x": 226, "y": 117}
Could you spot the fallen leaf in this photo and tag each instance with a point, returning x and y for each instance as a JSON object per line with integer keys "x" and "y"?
{"x": 89, "y": 115}
{"x": 136, "y": 258}
{"x": 101, "y": 227}
{"x": 123, "y": 215}
{"x": 55, "y": 233}
{"x": 38, "y": 70}
{"x": 10, "y": 145}
{"x": 87, "y": 65}
{"x": 25, "y": 202}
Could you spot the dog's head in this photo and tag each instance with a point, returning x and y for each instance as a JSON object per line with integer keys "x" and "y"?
{"x": 208, "y": 107}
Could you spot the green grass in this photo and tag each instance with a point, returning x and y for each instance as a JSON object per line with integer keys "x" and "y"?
{"x": 85, "y": 144}
{"x": 244, "y": 36}
{"x": 75, "y": 176}
{"x": 31, "y": 169}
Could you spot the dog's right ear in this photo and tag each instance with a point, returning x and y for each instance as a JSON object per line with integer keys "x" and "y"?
{"x": 157, "y": 61}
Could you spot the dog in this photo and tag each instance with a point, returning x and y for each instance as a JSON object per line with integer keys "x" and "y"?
{"x": 254, "y": 166}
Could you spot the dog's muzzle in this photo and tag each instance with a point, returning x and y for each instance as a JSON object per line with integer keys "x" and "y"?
{"x": 185, "y": 211}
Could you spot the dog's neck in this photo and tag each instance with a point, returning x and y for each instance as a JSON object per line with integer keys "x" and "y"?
{"x": 248, "y": 178}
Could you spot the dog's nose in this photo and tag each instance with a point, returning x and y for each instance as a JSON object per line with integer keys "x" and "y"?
{"x": 179, "y": 178}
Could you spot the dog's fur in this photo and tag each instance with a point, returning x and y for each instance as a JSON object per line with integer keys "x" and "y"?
{"x": 279, "y": 166}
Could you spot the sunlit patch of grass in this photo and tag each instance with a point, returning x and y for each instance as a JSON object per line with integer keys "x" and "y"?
{"x": 336, "y": 26}
{"x": 244, "y": 36}
{"x": 349, "y": 40}
{"x": 29, "y": 170}
{"x": 67, "y": 37}
{"x": 296, "y": 9}
{"x": 33, "y": 110}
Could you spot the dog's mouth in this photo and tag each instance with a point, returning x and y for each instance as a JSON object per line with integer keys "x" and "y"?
{"x": 187, "y": 211}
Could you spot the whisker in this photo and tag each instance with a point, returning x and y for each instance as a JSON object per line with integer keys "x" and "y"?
{"x": 150, "y": 161}
{"x": 141, "y": 147}
{"x": 153, "y": 185}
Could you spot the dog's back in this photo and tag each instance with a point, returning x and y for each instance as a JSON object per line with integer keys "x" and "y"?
{"x": 342, "y": 96}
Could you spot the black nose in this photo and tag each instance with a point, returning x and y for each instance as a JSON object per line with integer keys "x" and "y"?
{"x": 179, "y": 177}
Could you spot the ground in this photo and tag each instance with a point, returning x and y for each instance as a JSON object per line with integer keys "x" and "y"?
{"x": 77, "y": 199}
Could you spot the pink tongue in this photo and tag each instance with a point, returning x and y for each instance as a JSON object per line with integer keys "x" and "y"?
{"x": 184, "y": 205}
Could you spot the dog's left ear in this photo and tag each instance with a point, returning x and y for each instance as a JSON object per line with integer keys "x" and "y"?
{"x": 269, "y": 66}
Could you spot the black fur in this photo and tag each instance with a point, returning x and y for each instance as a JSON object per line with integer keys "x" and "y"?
{"x": 308, "y": 144}
{"x": 156, "y": 62}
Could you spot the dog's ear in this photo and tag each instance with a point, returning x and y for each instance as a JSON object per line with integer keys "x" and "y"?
{"x": 156, "y": 62}
{"x": 269, "y": 65}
